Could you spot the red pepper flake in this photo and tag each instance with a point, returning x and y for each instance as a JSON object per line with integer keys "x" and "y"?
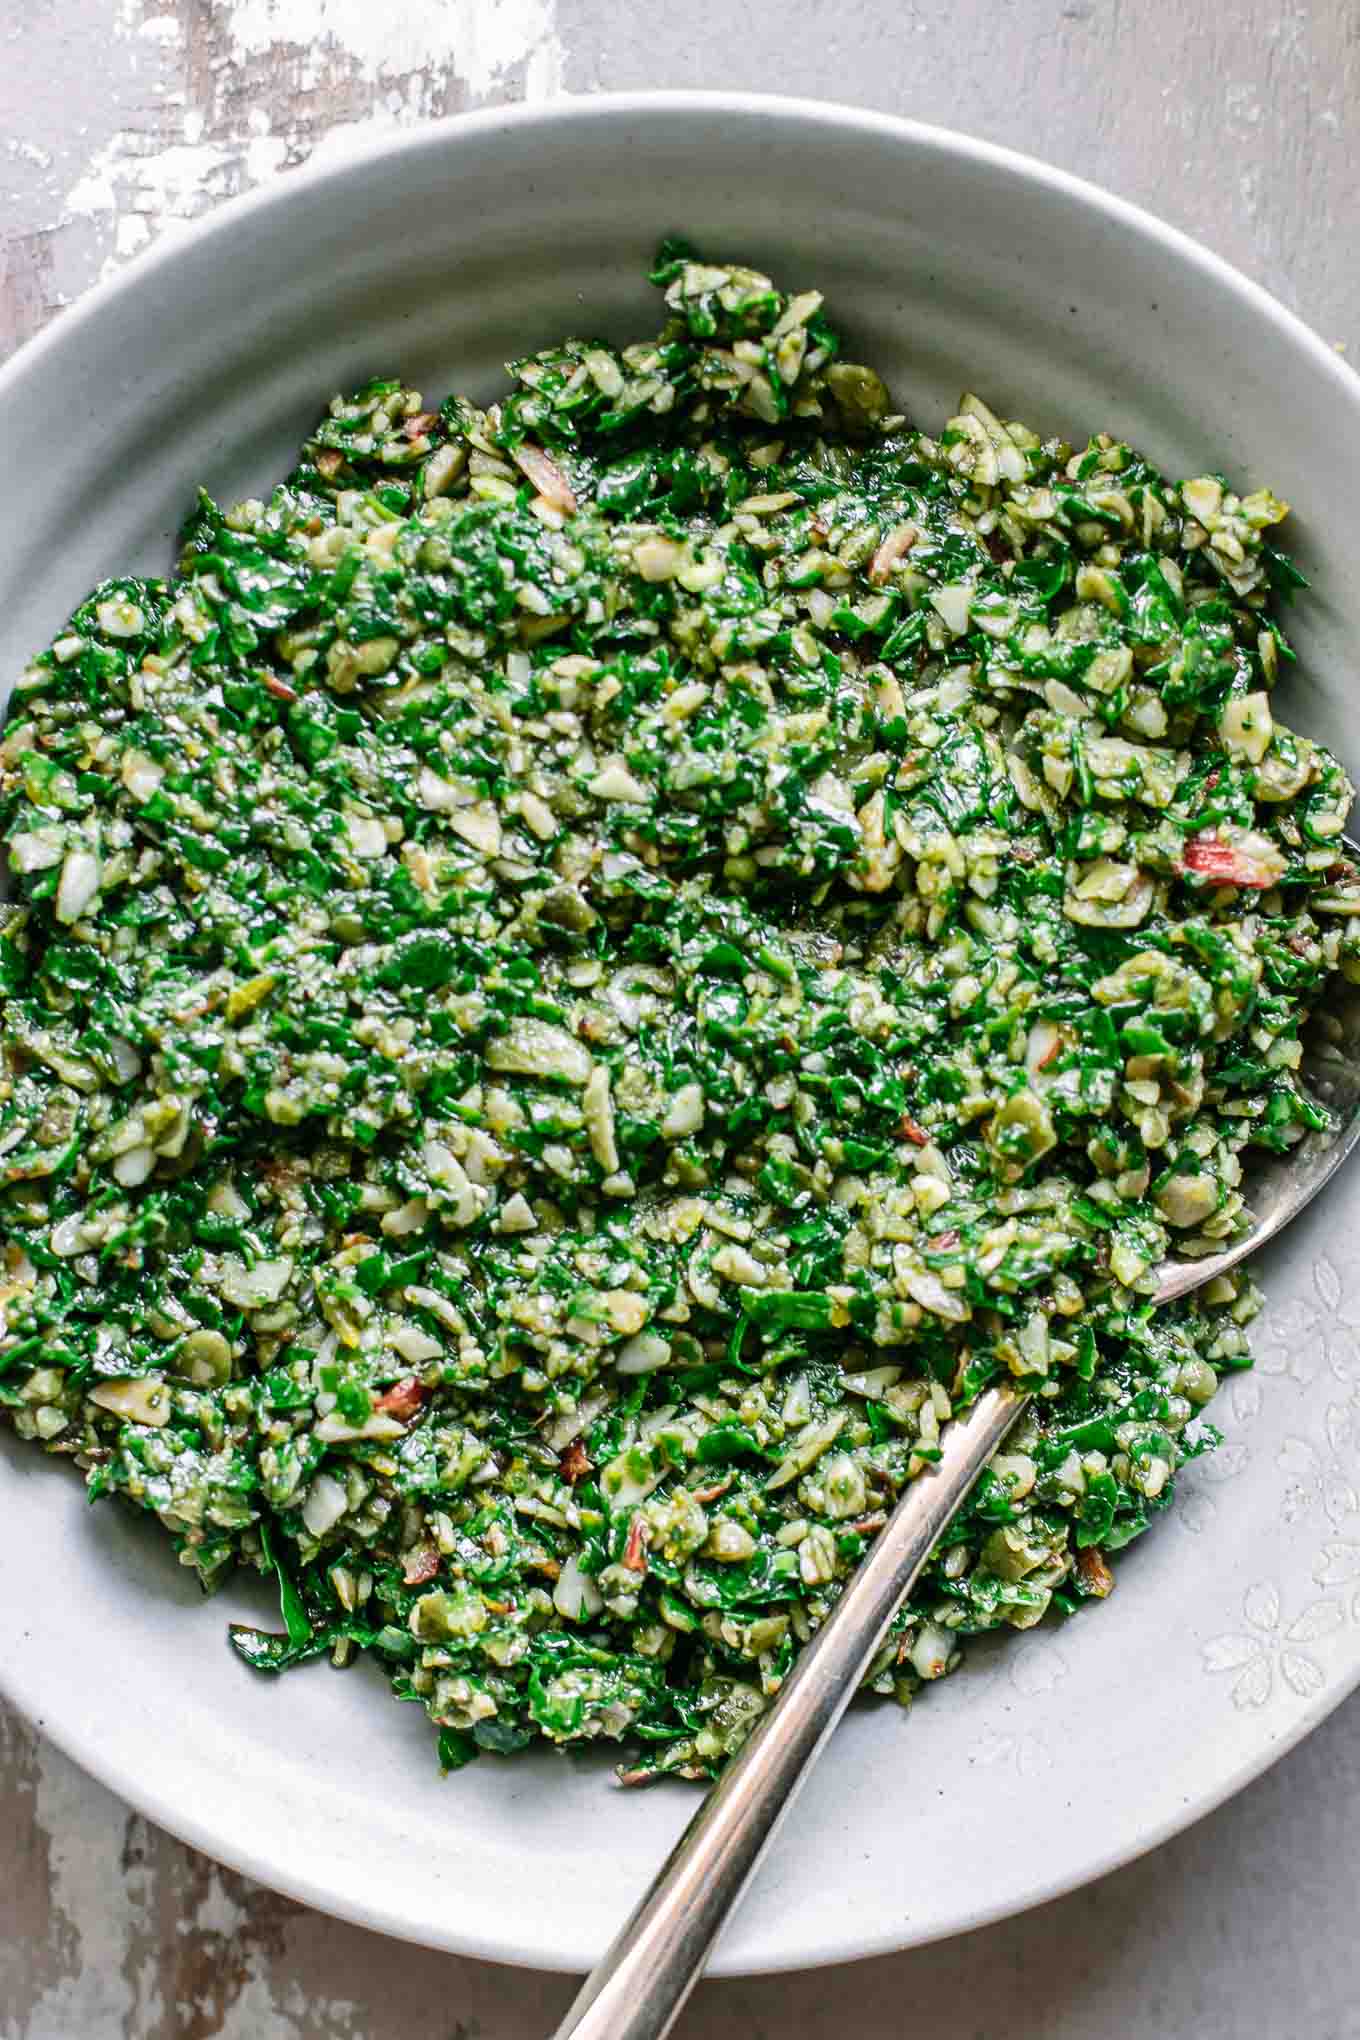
{"x": 278, "y": 688}
{"x": 423, "y": 422}
{"x": 546, "y": 476}
{"x": 1050, "y": 1055}
{"x": 420, "y": 1565}
{"x": 711, "y": 1494}
{"x": 403, "y": 1400}
{"x": 941, "y": 1240}
{"x": 635, "y": 1550}
{"x": 909, "y": 1130}
{"x": 1208, "y": 857}
{"x": 573, "y": 1464}
{"x": 894, "y": 547}
{"x": 865, "y": 1524}
{"x": 1093, "y": 1572}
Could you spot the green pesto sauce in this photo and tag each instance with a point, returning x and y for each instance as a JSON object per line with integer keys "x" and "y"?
{"x": 581, "y": 978}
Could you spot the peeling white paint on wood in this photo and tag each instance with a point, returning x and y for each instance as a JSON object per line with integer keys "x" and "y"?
{"x": 226, "y": 93}
{"x": 484, "y": 39}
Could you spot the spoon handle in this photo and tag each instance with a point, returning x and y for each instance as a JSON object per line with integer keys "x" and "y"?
{"x": 637, "y": 1989}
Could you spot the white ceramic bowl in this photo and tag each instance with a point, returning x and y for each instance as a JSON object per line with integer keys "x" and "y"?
{"x": 1236, "y": 1623}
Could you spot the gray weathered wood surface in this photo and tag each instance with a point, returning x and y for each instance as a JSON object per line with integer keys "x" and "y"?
{"x": 121, "y": 118}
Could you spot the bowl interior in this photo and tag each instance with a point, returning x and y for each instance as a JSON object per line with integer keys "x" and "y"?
{"x": 950, "y": 266}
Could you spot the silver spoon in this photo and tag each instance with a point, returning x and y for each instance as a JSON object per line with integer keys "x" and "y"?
{"x": 637, "y": 1989}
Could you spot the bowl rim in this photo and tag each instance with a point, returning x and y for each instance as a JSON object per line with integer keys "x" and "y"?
{"x": 602, "y": 110}
{"x": 604, "y": 107}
